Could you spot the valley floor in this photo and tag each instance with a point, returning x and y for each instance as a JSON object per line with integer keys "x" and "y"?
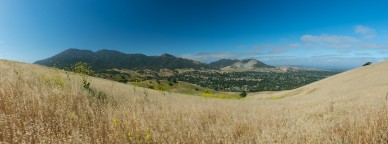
{"x": 43, "y": 105}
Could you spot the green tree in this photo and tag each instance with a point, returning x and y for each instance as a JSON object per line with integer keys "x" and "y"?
{"x": 82, "y": 68}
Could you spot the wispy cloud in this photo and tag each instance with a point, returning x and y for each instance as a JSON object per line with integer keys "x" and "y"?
{"x": 330, "y": 39}
{"x": 344, "y": 41}
{"x": 365, "y": 31}
{"x": 363, "y": 54}
{"x": 273, "y": 49}
{"x": 322, "y": 50}
{"x": 323, "y": 61}
{"x": 374, "y": 45}
{"x": 308, "y": 42}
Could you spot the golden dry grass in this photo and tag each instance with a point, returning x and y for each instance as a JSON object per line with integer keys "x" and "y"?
{"x": 42, "y": 105}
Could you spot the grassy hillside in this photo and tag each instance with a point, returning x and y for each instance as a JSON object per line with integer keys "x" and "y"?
{"x": 42, "y": 105}
{"x": 186, "y": 88}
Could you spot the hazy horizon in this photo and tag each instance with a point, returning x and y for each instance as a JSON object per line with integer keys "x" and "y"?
{"x": 336, "y": 34}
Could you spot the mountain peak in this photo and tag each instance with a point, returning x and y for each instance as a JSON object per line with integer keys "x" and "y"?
{"x": 105, "y": 51}
{"x": 73, "y": 52}
{"x": 70, "y": 50}
{"x": 250, "y": 59}
{"x": 167, "y": 55}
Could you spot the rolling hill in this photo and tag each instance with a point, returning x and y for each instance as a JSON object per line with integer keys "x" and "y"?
{"x": 46, "y": 105}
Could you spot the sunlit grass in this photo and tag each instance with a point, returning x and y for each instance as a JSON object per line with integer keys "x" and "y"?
{"x": 186, "y": 88}
{"x": 36, "y": 109}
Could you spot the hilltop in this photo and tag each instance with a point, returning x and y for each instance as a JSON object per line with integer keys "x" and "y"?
{"x": 46, "y": 105}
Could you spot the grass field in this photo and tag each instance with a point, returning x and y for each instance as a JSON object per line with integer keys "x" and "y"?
{"x": 44, "y": 105}
{"x": 186, "y": 88}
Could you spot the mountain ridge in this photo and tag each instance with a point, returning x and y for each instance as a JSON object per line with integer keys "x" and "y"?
{"x": 108, "y": 59}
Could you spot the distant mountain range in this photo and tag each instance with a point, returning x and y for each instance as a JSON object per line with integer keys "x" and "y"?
{"x": 108, "y": 59}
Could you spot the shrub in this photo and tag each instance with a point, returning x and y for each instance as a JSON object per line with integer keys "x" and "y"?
{"x": 55, "y": 79}
{"x": 243, "y": 94}
{"x": 123, "y": 81}
{"x": 85, "y": 71}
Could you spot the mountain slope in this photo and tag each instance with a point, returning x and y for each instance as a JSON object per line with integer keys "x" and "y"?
{"x": 107, "y": 59}
{"x": 239, "y": 65}
{"x": 255, "y": 63}
{"x": 246, "y": 65}
{"x": 223, "y": 63}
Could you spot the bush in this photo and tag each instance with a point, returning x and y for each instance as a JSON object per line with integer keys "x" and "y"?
{"x": 140, "y": 72}
{"x": 85, "y": 70}
{"x": 123, "y": 81}
{"x": 243, "y": 94}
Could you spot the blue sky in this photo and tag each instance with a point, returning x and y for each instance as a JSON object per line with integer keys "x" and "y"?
{"x": 327, "y": 33}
